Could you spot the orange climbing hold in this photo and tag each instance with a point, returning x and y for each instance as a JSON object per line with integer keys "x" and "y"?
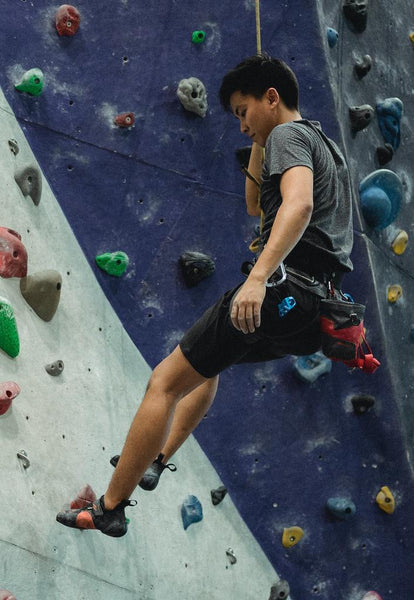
{"x": 385, "y": 500}
{"x": 67, "y": 20}
{"x": 291, "y": 536}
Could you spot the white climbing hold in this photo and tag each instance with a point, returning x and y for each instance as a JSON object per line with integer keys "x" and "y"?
{"x": 193, "y": 96}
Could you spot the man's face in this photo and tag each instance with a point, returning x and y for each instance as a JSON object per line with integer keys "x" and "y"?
{"x": 256, "y": 116}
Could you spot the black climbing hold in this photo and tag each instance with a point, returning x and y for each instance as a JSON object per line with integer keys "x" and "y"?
{"x": 243, "y": 156}
{"x": 218, "y": 494}
{"x": 279, "y": 590}
{"x": 384, "y": 154}
{"x": 14, "y": 147}
{"x": 356, "y": 11}
{"x": 363, "y": 66}
{"x": 196, "y": 267}
{"x": 114, "y": 460}
{"x": 361, "y": 116}
{"x": 362, "y": 403}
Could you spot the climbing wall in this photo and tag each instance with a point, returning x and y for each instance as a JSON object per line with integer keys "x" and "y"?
{"x": 169, "y": 184}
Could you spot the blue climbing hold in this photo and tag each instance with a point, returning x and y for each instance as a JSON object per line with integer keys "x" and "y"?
{"x": 381, "y": 195}
{"x": 191, "y": 511}
{"x": 389, "y": 113}
{"x": 332, "y": 36}
{"x": 309, "y": 368}
{"x": 286, "y": 305}
{"x": 341, "y": 508}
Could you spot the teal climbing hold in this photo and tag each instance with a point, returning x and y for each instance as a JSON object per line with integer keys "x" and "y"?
{"x": 309, "y": 368}
{"x": 381, "y": 196}
{"x": 198, "y": 37}
{"x": 332, "y": 36}
{"x": 9, "y": 337}
{"x": 191, "y": 511}
{"x": 31, "y": 82}
{"x": 389, "y": 113}
{"x": 341, "y": 508}
{"x": 113, "y": 263}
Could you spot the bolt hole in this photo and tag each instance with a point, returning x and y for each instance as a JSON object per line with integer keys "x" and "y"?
{"x": 70, "y": 167}
{"x": 9, "y": 394}
{"x": 125, "y": 59}
{"x": 149, "y": 315}
{"x": 15, "y": 254}
{"x": 194, "y": 95}
{"x": 71, "y": 103}
{"x": 161, "y": 220}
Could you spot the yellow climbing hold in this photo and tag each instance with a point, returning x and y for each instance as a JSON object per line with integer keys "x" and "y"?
{"x": 385, "y": 500}
{"x": 291, "y": 536}
{"x": 412, "y": 37}
{"x": 399, "y": 243}
{"x": 394, "y": 292}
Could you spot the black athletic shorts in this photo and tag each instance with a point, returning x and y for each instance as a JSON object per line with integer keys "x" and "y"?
{"x": 212, "y": 344}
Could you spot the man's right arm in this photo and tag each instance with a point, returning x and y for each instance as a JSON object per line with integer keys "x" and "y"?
{"x": 252, "y": 192}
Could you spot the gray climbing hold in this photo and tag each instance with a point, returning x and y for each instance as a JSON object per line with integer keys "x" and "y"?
{"x": 279, "y": 590}
{"x": 231, "y": 556}
{"x": 191, "y": 511}
{"x": 218, "y": 494}
{"x": 29, "y": 180}
{"x": 363, "y": 66}
{"x": 42, "y": 292}
{"x": 22, "y": 456}
{"x": 55, "y": 368}
{"x": 14, "y": 147}
{"x": 356, "y": 11}
{"x": 361, "y": 117}
{"x": 341, "y": 508}
{"x": 362, "y": 403}
{"x": 384, "y": 154}
{"x": 193, "y": 96}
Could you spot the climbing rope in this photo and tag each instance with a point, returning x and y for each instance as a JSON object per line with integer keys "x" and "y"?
{"x": 258, "y": 33}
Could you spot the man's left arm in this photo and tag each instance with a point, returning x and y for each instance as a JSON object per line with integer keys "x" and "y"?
{"x": 292, "y": 218}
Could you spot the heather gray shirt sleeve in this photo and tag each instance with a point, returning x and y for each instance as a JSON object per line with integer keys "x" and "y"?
{"x": 287, "y": 147}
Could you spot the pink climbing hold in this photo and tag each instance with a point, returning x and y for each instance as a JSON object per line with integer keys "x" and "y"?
{"x": 6, "y": 595}
{"x": 372, "y": 596}
{"x": 125, "y": 119}
{"x": 67, "y": 20}
{"x": 13, "y": 255}
{"x": 85, "y": 496}
{"x": 8, "y": 392}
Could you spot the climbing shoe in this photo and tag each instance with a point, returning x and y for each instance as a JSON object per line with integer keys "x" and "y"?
{"x": 152, "y": 475}
{"x": 96, "y": 516}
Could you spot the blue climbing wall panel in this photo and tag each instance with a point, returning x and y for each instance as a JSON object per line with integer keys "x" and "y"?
{"x": 172, "y": 184}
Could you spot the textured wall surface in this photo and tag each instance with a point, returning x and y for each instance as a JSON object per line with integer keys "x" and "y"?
{"x": 171, "y": 184}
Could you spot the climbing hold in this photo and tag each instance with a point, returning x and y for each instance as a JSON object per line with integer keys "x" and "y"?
{"x": 113, "y": 263}
{"x": 332, "y": 36}
{"x": 286, "y": 305}
{"x": 193, "y": 96}
{"x": 356, "y": 11}
{"x": 67, "y": 20}
{"x": 55, "y": 368}
{"x": 342, "y": 508}
{"x": 196, "y": 267}
{"x": 372, "y": 596}
{"x": 231, "y": 556}
{"x": 9, "y": 338}
{"x": 191, "y": 511}
{"x": 6, "y": 595}
{"x": 8, "y": 392}
{"x": 198, "y": 37}
{"x": 384, "y": 154}
{"x": 389, "y": 113}
{"x": 362, "y": 402}
{"x": 279, "y": 590}
{"x": 85, "y": 496}
{"x": 218, "y": 494}
{"x": 22, "y": 456}
{"x": 42, "y": 292}
{"x": 380, "y": 195}
{"x": 125, "y": 120}
{"x": 394, "y": 293}
{"x": 363, "y": 66}
{"x": 31, "y": 82}
{"x": 385, "y": 500}
{"x": 14, "y": 147}
{"x": 399, "y": 243}
{"x": 291, "y": 536}
{"x": 309, "y": 368}
{"x": 29, "y": 180}
{"x": 13, "y": 255}
{"x": 411, "y": 36}
{"x": 361, "y": 117}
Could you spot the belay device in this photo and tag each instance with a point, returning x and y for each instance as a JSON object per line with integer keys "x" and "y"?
{"x": 343, "y": 337}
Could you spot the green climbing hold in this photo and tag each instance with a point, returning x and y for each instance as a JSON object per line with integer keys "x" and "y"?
{"x": 113, "y": 263}
{"x": 31, "y": 82}
{"x": 9, "y": 338}
{"x": 198, "y": 37}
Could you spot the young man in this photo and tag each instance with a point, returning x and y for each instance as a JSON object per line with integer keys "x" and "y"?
{"x": 305, "y": 200}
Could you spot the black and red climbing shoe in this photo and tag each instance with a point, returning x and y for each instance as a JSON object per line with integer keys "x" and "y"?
{"x": 152, "y": 475}
{"x": 96, "y": 516}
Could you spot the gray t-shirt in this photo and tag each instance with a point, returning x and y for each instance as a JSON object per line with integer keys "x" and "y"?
{"x": 327, "y": 241}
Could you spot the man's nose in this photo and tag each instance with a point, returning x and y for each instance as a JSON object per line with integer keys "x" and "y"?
{"x": 243, "y": 127}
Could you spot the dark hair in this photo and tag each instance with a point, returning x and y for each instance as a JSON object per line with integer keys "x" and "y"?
{"x": 255, "y": 75}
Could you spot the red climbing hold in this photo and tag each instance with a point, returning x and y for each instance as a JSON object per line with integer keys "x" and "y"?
{"x": 85, "y": 496}
{"x": 67, "y": 20}
{"x": 8, "y": 392}
{"x": 13, "y": 255}
{"x": 6, "y": 595}
{"x": 125, "y": 119}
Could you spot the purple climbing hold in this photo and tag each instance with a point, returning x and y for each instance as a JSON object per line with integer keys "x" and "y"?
{"x": 356, "y": 11}
{"x": 42, "y": 292}
{"x": 8, "y": 392}
{"x": 360, "y": 117}
{"x": 389, "y": 113}
{"x": 191, "y": 511}
{"x": 13, "y": 255}
{"x": 67, "y": 20}
{"x": 363, "y": 66}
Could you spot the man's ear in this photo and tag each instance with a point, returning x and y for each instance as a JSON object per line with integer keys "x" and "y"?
{"x": 273, "y": 96}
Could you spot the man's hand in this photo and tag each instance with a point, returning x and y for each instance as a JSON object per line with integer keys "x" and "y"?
{"x": 245, "y": 312}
